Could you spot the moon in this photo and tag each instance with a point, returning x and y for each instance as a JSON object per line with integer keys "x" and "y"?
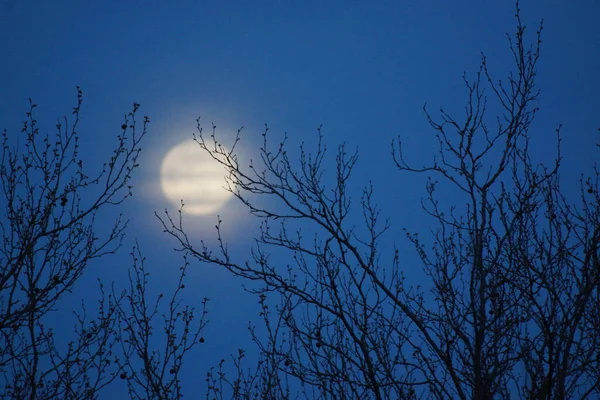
{"x": 190, "y": 174}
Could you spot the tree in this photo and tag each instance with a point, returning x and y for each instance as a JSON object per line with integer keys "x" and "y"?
{"x": 153, "y": 371}
{"x": 510, "y": 308}
{"x": 512, "y": 303}
{"x": 49, "y": 237}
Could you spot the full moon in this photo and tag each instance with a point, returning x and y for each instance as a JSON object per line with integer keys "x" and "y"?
{"x": 190, "y": 174}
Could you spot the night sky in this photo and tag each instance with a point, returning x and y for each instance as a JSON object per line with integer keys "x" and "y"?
{"x": 363, "y": 70}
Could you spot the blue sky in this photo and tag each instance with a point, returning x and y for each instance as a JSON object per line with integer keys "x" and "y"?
{"x": 361, "y": 69}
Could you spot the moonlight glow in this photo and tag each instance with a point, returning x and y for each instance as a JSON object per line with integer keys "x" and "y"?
{"x": 190, "y": 174}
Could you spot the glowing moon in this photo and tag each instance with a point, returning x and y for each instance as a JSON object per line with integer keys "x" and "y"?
{"x": 190, "y": 174}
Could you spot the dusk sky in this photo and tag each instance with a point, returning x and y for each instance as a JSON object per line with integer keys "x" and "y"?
{"x": 361, "y": 69}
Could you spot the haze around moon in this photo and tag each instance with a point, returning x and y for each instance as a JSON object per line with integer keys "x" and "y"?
{"x": 190, "y": 174}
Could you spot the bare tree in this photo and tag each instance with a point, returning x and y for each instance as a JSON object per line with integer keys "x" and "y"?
{"x": 334, "y": 313}
{"x": 153, "y": 354}
{"x": 514, "y": 270}
{"x": 49, "y": 236}
{"x": 513, "y": 265}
